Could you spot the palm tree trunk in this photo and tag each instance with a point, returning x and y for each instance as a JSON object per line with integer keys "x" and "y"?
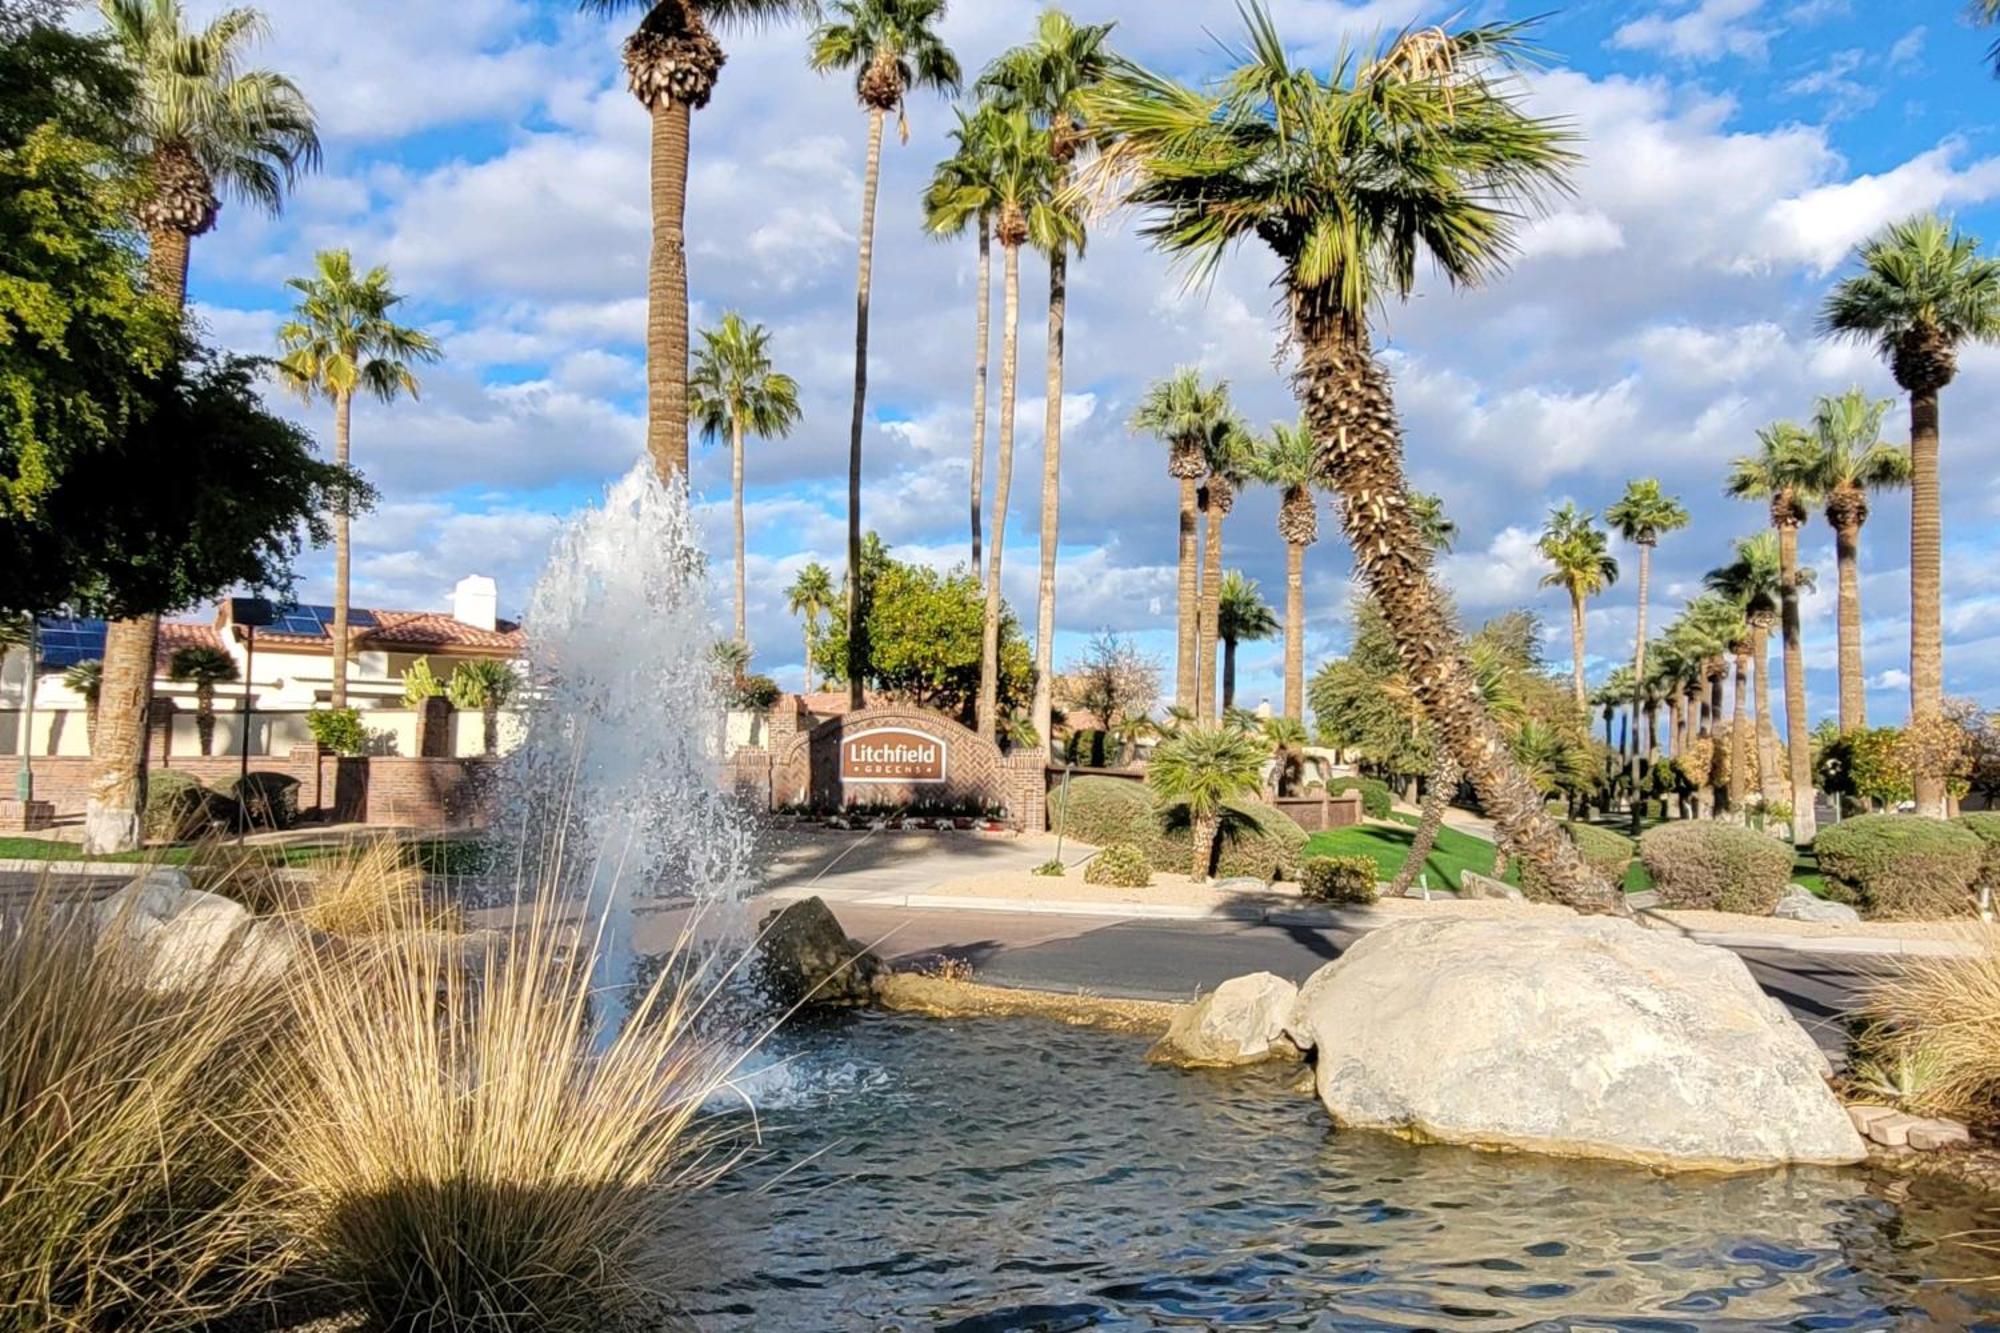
{"x": 1926, "y": 584}
{"x": 667, "y": 294}
{"x": 1211, "y": 611}
{"x": 807, "y": 675}
{"x": 1797, "y": 740}
{"x": 204, "y": 717}
{"x": 1295, "y": 631}
{"x": 1204, "y": 830}
{"x": 1853, "y": 675}
{"x": 343, "y": 553}
{"x": 1639, "y": 678}
{"x": 1187, "y": 693}
{"x": 1352, "y": 414}
{"x": 1673, "y": 726}
{"x": 981, "y": 355}
{"x": 1437, "y": 799}
{"x": 1576, "y": 655}
{"x": 736, "y": 490}
{"x": 1739, "y": 731}
{"x": 1228, "y": 675}
{"x": 1767, "y": 730}
{"x": 167, "y": 264}
{"x": 1045, "y": 601}
{"x": 489, "y": 717}
{"x": 1003, "y": 481}
{"x": 871, "y": 181}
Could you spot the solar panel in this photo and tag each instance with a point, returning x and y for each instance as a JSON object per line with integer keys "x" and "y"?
{"x": 314, "y": 621}
{"x": 65, "y": 640}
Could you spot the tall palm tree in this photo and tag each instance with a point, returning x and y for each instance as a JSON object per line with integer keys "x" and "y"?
{"x": 1242, "y": 616}
{"x": 734, "y": 390}
{"x": 342, "y": 340}
{"x": 1582, "y": 566}
{"x": 202, "y": 126}
{"x": 1434, "y": 526}
{"x": 1703, "y": 636}
{"x": 1201, "y": 768}
{"x": 1849, "y": 459}
{"x": 1923, "y": 292}
{"x": 1642, "y": 516}
{"x": 207, "y": 668}
{"x": 1754, "y": 580}
{"x": 892, "y": 46}
{"x": 1780, "y": 472}
{"x": 671, "y": 63}
{"x": 1752, "y": 587}
{"x": 1048, "y": 78}
{"x": 1418, "y": 148}
{"x": 1185, "y": 412}
{"x": 1227, "y": 451}
{"x": 1288, "y": 461}
{"x": 810, "y": 597}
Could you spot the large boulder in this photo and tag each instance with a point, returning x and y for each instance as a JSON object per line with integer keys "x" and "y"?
{"x": 1585, "y": 1038}
{"x": 180, "y": 936}
{"x": 805, "y": 958}
{"x": 1800, "y": 903}
{"x": 1240, "y": 1022}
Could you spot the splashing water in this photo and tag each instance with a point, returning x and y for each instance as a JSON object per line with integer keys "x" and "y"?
{"x": 616, "y": 792}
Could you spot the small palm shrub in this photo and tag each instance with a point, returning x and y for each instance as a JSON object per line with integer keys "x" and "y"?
{"x": 1985, "y": 826}
{"x": 263, "y": 799}
{"x": 1376, "y": 798}
{"x": 1609, "y": 853}
{"x": 1903, "y": 867}
{"x": 1340, "y": 879}
{"x": 1199, "y": 770}
{"x": 1256, "y": 840}
{"x": 1722, "y": 867}
{"x": 179, "y": 809}
{"x": 1120, "y": 865}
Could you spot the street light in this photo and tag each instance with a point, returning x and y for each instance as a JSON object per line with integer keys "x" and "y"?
{"x": 24, "y": 780}
{"x": 249, "y": 612}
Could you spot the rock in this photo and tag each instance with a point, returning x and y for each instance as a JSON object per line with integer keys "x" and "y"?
{"x": 1864, "y": 1116}
{"x": 1472, "y": 884}
{"x": 805, "y": 958}
{"x": 1590, "y": 1037}
{"x": 1893, "y": 1130}
{"x": 1934, "y": 1135}
{"x": 184, "y": 937}
{"x": 1801, "y": 904}
{"x": 1241, "y": 884}
{"x": 1240, "y": 1022}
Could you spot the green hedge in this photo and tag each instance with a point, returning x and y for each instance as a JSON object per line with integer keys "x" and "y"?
{"x": 1985, "y": 826}
{"x": 179, "y": 809}
{"x": 1902, "y": 867}
{"x": 1120, "y": 865}
{"x": 1340, "y": 879}
{"x": 263, "y": 798}
{"x": 1376, "y": 798}
{"x": 1609, "y": 853}
{"x": 1725, "y": 867}
{"x": 1257, "y": 840}
{"x": 1101, "y": 811}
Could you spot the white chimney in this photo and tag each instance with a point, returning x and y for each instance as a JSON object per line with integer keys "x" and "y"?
{"x": 476, "y": 602}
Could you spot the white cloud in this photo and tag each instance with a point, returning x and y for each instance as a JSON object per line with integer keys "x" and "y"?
{"x": 1569, "y": 234}
{"x": 1819, "y": 227}
{"x": 1908, "y": 52}
{"x": 1708, "y": 31}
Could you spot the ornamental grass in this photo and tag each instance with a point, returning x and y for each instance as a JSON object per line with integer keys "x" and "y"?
{"x": 1937, "y": 1022}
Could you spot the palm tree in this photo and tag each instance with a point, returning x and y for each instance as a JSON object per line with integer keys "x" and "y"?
{"x": 671, "y": 63}
{"x": 1227, "y": 451}
{"x": 1048, "y": 79}
{"x": 734, "y": 390}
{"x": 892, "y": 46}
{"x": 1242, "y": 616}
{"x": 1743, "y": 584}
{"x": 1185, "y": 413}
{"x": 1433, "y": 525}
{"x": 487, "y": 685}
{"x": 1201, "y": 768}
{"x": 1703, "y": 636}
{"x": 1754, "y": 580}
{"x": 87, "y": 680}
{"x": 1849, "y": 460}
{"x": 1922, "y": 293}
{"x": 1642, "y": 516}
{"x": 1287, "y": 460}
{"x": 1417, "y": 148}
{"x": 207, "y": 668}
{"x": 810, "y": 597}
{"x": 340, "y": 341}
{"x": 1780, "y": 472}
{"x": 1581, "y": 566}
{"x": 201, "y": 126}
{"x": 1287, "y": 738}
{"x": 1499, "y": 693}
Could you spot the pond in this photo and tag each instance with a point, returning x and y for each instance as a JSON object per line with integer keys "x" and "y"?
{"x": 1017, "y": 1175}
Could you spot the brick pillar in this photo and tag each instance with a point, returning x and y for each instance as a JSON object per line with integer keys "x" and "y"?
{"x": 787, "y": 719}
{"x": 434, "y": 728}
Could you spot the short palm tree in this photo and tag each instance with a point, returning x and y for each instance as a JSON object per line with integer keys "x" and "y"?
{"x": 1185, "y": 412}
{"x": 734, "y": 391}
{"x": 1434, "y": 526}
{"x": 206, "y": 668}
{"x": 1703, "y": 635}
{"x": 1419, "y": 147}
{"x": 1754, "y": 580}
{"x": 892, "y": 47}
{"x": 1923, "y": 292}
{"x": 1200, "y": 769}
{"x": 1848, "y": 461}
{"x": 1287, "y": 738}
{"x": 1750, "y": 583}
{"x": 1780, "y": 472}
{"x": 1581, "y": 564}
{"x": 86, "y": 680}
{"x": 671, "y": 63}
{"x": 1288, "y": 461}
{"x": 1227, "y": 450}
{"x": 486, "y": 685}
{"x": 810, "y": 597}
{"x": 1641, "y": 517}
{"x": 342, "y": 340}
{"x": 1242, "y": 616}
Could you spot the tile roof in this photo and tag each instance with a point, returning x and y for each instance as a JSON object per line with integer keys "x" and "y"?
{"x": 415, "y": 630}
{"x": 175, "y": 635}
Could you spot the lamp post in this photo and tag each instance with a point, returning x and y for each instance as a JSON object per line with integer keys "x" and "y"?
{"x": 24, "y": 780}
{"x": 249, "y": 612}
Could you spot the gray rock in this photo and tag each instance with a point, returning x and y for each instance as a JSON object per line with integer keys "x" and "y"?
{"x": 1240, "y": 1022}
{"x": 1472, "y": 884}
{"x": 1800, "y": 904}
{"x": 805, "y": 958}
{"x": 180, "y": 936}
{"x": 1585, "y": 1037}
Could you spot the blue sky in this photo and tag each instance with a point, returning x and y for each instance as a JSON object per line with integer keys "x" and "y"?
{"x": 1735, "y": 150}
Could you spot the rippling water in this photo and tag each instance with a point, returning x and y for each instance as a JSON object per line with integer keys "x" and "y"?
{"x": 1002, "y": 1175}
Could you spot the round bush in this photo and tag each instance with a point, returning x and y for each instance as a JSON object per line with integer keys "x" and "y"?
{"x": 1608, "y": 853}
{"x": 178, "y": 808}
{"x": 1725, "y": 867}
{"x": 265, "y": 799}
{"x": 1903, "y": 867}
{"x": 1376, "y": 798}
{"x": 1121, "y": 866}
{"x": 1985, "y": 826}
{"x": 1103, "y": 811}
{"x": 1340, "y": 879}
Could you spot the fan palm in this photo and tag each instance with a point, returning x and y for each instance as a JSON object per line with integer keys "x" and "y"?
{"x": 342, "y": 340}
{"x": 734, "y": 390}
{"x": 1581, "y": 566}
{"x": 1420, "y": 147}
{"x": 1703, "y": 636}
{"x": 1496, "y": 678}
{"x": 1751, "y": 584}
{"x": 1242, "y": 616}
{"x": 1433, "y": 525}
{"x": 202, "y": 126}
{"x": 1201, "y": 768}
{"x": 1641, "y": 516}
{"x": 1923, "y": 292}
{"x": 1185, "y": 412}
{"x": 207, "y": 668}
{"x": 1848, "y": 460}
{"x": 1288, "y": 461}
{"x": 1227, "y": 451}
{"x": 486, "y": 685}
{"x": 1780, "y": 472}
{"x": 671, "y": 63}
{"x": 892, "y": 47}
{"x": 809, "y": 598}
{"x": 1287, "y": 738}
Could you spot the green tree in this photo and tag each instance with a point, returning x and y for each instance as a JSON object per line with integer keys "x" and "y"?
{"x": 1287, "y": 459}
{"x": 207, "y": 668}
{"x": 1186, "y": 413}
{"x": 1418, "y": 148}
{"x": 1582, "y": 566}
{"x": 1641, "y": 517}
{"x": 892, "y": 46}
{"x": 735, "y": 391}
{"x": 1227, "y": 450}
{"x": 1754, "y": 581}
{"x": 1201, "y": 769}
{"x": 810, "y": 598}
{"x": 342, "y": 339}
{"x": 1923, "y": 292}
{"x": 1242, "y": 616}
{"x": 487, "y": 685}
{"x": 1434, "y": 526}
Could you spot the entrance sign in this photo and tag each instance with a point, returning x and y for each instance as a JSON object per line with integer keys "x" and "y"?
{"x": 892, "y": 754}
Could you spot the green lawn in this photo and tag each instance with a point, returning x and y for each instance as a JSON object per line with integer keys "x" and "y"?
{"x": 438, "y": 857}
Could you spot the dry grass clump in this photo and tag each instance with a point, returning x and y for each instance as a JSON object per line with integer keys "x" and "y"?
{"x": 373, "y": 887}
{"x": 1935, "y": 1026}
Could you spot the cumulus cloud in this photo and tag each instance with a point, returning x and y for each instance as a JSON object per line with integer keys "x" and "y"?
{"x": 1708, "y": 31}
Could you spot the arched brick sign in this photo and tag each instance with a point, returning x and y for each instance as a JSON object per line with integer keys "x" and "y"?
{"x": 893, "y": 756}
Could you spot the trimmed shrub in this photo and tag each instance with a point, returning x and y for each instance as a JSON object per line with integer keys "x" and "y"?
{"x": 338, "y": 730}
{"x": 1903, "y": 867}
{"x": 1257, "y": 840}
{"x": 1103, "y": 811}
{"x": 1376, "y": 798}
{"x": 1724, "y": 867}
{"x": 1608, "y": 853}
{"x": 178, "y": 809}
{"x": 1985, "y": 826}
{"x": 1340, "y": 879}
{"x": 1121, "y": 866}
{"x": 264, "y": 799}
